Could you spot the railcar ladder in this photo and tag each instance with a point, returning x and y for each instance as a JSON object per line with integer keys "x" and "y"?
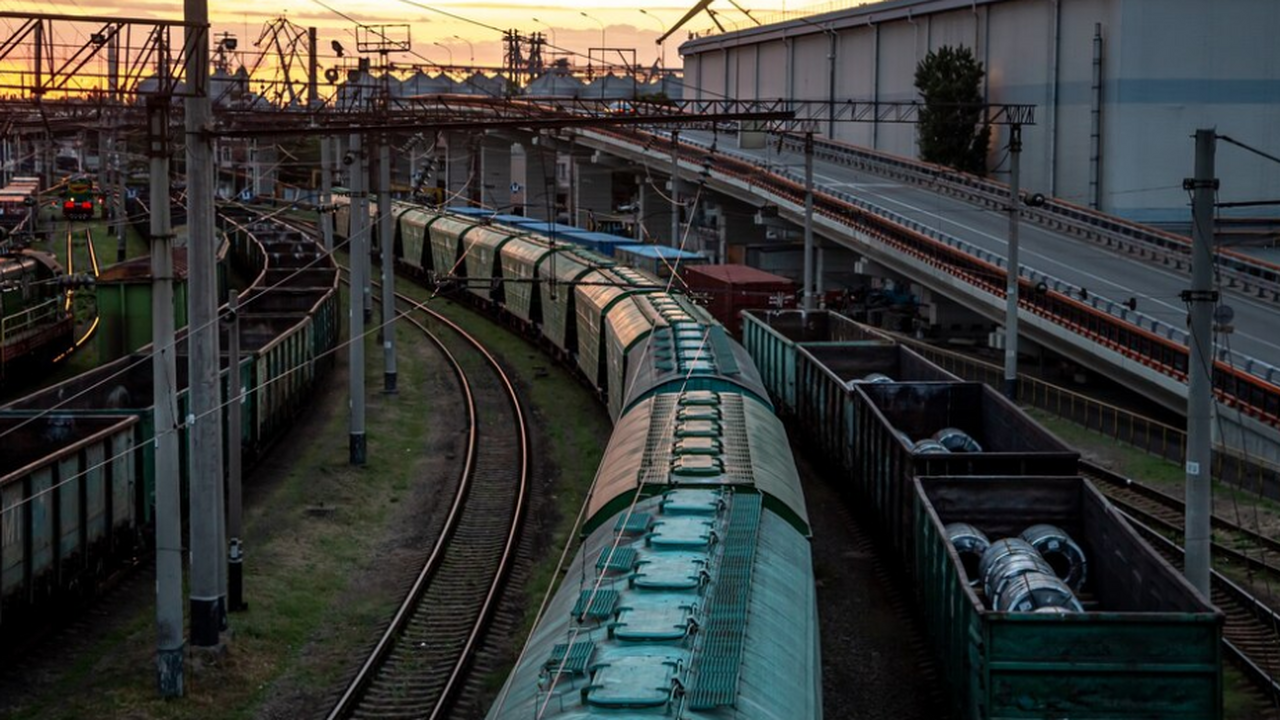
{"x": 715, "y": 680}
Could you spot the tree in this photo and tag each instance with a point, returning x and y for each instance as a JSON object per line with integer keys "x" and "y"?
{"x": 951, "y": 128}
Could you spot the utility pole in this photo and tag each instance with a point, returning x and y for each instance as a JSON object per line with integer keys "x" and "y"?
{"x": 675, "y": 188}
{"x": 1201, "y": 300}
{"x": 164, "y": 374}
{"x": 326, "y": 191}
{"x": 355, "y": 348}
{"x": 365, "y": 258}
{"x": 807, "y": 290}
{"x": 208, "y": 524}
{"x": 113, "y": 178}
{"x": 235, "y": 522}
{"x": 1012, "y": 266}
{"x": 385, "y": 243}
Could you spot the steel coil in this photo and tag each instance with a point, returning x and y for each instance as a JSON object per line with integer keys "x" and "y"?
{"x": 1061, "y": 552}
{"x": 970, "y": 543}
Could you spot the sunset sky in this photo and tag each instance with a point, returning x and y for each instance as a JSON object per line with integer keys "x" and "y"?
{"x": 624, "y": 24}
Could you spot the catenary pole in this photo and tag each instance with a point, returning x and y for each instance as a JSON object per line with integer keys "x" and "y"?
{"x": 235, "y": 522}
{"x": 358, "y": 263}
{"x": 807, "y": 290}
{"x": 386, "y": 242}
{"x": 1200, "y": 300}
{"x": 170, "y": 646}
{"x": 208, "y": 526}
{"x": 1012, "y": 266}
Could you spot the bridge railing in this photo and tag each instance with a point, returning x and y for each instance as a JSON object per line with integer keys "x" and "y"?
{"x": 1248, "y": 274}
{"x": 1242, "y": 383}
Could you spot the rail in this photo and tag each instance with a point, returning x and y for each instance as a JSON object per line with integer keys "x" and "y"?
{"x": 469, "y": 487}
{"x": 1253, "y": 656}
{"x": 1102, "y": 322}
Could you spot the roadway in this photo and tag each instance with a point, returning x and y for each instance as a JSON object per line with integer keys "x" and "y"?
{"x": 1100, "y": 270}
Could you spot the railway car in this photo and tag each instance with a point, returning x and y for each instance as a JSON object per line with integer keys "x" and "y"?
{"x": 1146, "y": 646}
{"x": 692, "y": 597}
{"x": 35, "y": 322}
{"x": 71, "y": 515}
{"x": 79, "y": 198}
{"x": 18, "y": 203}
{"x": 1143, "y": 645}
{"x": 692, "y": 592}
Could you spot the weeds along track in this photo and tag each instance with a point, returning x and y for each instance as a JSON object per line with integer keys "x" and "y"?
{"x": 420, "y": 665}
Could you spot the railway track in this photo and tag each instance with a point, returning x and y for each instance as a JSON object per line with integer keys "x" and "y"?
{"x": 420, "y": 664}
{"x": 1251, "y": 631}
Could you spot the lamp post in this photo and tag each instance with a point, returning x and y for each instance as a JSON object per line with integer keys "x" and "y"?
{"x": 551, "y": 29}
{"x": 602, "y": 43}
{"x": 469, "y": 46}
{"x": 446, "y": 49}
{"x": 661, "y": 45}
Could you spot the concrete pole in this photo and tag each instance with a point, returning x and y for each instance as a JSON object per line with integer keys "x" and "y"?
{"x": 807, "y": 290}
{"x": 675, "y": 188}
{"x": 115, "y": 174}
{"x": 1201, "y": 300}
{"x": 235, "y": 522}
{"x": 1011, "y": 268}
{"x": 208, "y": 525}
{"x": 386, "y": 241}
{"x": 164, "y": 376}
{"x": 326, "y": 192}
{"x": 366, "y": 257}
{"x": 355, "y": 348}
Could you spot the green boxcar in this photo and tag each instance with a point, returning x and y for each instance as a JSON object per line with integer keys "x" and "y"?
{"x": 447, "y": 235}
{"x": 1147, "y": 645}
{"x": 411, "y": 225}
{"x": 600, "y": 291}
{"x": 124, "y": 306}
{"x": 482, "y": 249}
{"x": 557, "y": 274}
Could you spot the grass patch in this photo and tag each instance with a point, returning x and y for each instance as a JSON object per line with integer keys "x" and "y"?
{"x": 309, "y": 614}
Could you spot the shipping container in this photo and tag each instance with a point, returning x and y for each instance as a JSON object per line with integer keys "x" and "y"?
{"x": 889, "y": 418}
{"x": 659, "y": 261}
{"x": 603, "y": 243}
{"x": 1146, "y": 646}
{"x": 730, "y": 289}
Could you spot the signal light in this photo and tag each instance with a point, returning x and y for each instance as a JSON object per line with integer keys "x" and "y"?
{"x": 70, "y": 205}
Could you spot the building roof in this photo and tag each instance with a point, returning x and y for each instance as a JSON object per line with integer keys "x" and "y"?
{"x": 739, "y": 275}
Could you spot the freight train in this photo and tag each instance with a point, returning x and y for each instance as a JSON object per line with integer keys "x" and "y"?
{"x": 36, "y": 323}
{"x": 634, "y": 629}
{"x": 692, "y": 591}
{"x": 77, "y": 476}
